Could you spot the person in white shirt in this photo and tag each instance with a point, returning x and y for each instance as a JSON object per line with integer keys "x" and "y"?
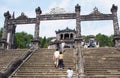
{"x": 56, "y": 57}
{"x": 69, "y": 73}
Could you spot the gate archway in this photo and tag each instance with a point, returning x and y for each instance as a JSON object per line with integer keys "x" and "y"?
{"x": 11, "y": 22}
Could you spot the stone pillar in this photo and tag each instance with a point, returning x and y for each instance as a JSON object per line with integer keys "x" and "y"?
{"x": 69, "y": 36}
{"x": 11, "y": 35}
{"x": 115, "y": 26}
{"x": 36, "y": 33}
{"x": 78, "y": 25}
{"x": 79, "y": 59}
{"x": 5, "y": 30}
{"x": 63, "y": 36}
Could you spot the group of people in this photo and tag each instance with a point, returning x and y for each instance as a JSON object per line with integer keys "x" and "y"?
{"x": 58, "y": 59}
{"x": 58, "y": 55}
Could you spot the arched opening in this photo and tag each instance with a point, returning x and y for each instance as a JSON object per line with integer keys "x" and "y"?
{"x": 71, "y": 36}
{"x": 66, "y": 36}
{"x": 61, "y": 36}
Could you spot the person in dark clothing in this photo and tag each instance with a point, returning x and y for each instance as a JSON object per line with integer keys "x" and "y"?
{"x": 61, "y": 56}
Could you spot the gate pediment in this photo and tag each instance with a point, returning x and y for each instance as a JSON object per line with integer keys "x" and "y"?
{"x": 96, "y": 12}
{"x": 22, "y": 17}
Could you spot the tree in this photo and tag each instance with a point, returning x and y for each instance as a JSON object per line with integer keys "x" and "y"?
{"x": 86, "y": 38}
{"x": 111, "y": 43}
{"x": 44, "y": 43}
{"x": 22, "y": 40}
{"x": 104, "y": 40}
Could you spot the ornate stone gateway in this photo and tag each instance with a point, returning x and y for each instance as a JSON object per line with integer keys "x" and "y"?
{"x": 11, "y": 22}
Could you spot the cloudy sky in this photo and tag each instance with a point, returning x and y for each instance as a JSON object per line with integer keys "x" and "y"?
{"x": 48, "y": 28}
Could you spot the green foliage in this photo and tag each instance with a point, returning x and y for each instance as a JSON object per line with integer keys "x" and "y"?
{"x": 85, "y": 37}
{"x": 23, "y": 40}
{"x": 104, "y": 40}
{"x": 111, "y": 43}
{"x": 44, "y": 42}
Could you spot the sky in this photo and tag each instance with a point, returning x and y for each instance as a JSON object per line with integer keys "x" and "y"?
{"x": 48, "y": 28}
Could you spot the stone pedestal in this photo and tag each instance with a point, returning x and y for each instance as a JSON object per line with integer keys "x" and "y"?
{"x": 35, "y": 43}
{"x": 116, "y": 40}
{"x": 3, "y": 44}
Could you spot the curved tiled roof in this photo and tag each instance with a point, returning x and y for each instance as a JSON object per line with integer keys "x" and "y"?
{"x": 65, "y": 30}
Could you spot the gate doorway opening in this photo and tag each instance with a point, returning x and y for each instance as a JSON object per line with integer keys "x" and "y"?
{"x": 48, "y": 28}
{"x": 96, "y": 27}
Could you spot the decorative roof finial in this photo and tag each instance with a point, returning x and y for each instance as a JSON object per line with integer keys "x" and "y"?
{"x": 95, "y": 9}
{"x": 114, "y": 8}
{"x": 77, "y": 8}
{"x": 7, "y": 15}
{"x": 38, "y": 10}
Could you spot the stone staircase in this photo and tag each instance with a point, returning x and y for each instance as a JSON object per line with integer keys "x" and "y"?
{"x": 40, "y": 65}
{"x": 102, "y": 63}
{"x": 99, "y": 63}
{"x": 6, "y": 56}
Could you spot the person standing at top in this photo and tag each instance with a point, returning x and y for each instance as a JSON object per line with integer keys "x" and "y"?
{"x": 69, "y": 73}
{"x": 62, "y": 45}
{"x": 56, "y": 57}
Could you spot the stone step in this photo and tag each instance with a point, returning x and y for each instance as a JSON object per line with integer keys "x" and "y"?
{"x": 41, "y": 73}
{"x": 44, "y": 71}
{"x": 39, "y": 76}
{"x": 103, "y": 76}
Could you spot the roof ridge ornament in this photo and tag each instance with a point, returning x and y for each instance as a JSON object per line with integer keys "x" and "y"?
{"x": 66, "y": 30}
{"x": 22, "y": 16}
{"x": 96, "y": 12}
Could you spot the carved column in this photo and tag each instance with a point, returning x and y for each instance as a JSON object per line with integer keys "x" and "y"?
{"x": 36, "y": 33}
{"x": 69, "y": 35}
{"x": 116, "y": 26}
{"x": 79, "y": 59}
{"x": 63, "y": 36}
{"x": 11, "y": 35}
{"x": 5, "y": 30}
{"x": 78, "y": 25}
{"x": 79, "y": 56}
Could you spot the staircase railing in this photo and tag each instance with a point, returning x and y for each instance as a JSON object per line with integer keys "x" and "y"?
{"x": 79, "y": 59}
